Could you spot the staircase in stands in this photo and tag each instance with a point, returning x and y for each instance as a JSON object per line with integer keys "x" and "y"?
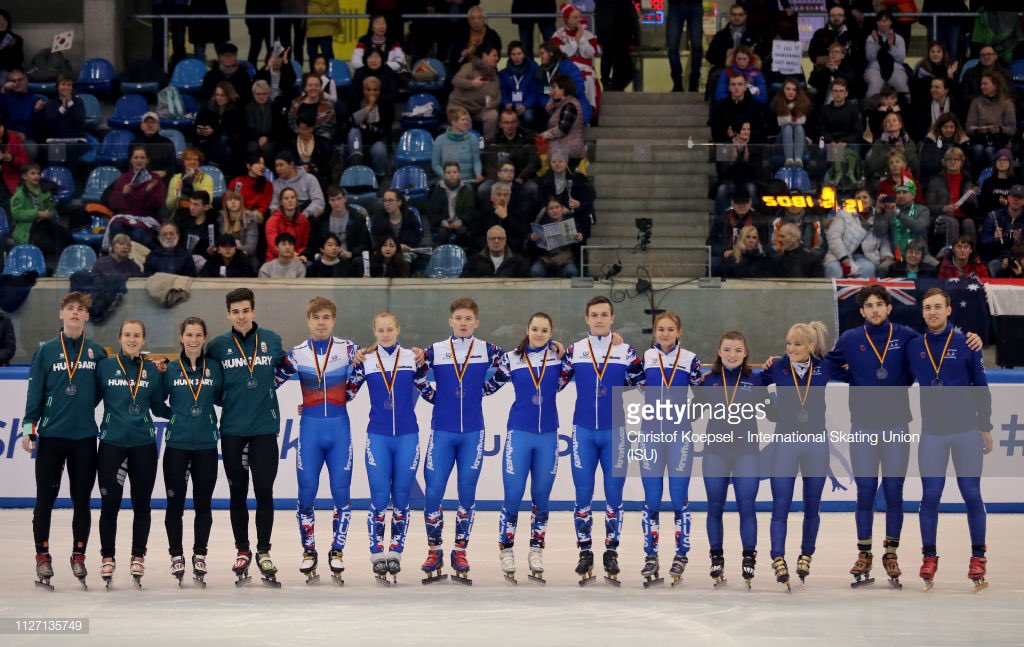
{"x": 643, "y": 168}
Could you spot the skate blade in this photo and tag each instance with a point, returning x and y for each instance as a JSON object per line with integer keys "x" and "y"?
{"x": 314, "y": 579}
{"x": 510, "y": 579}
{"x": 537, "y": 579}
{"x": 137, "y": 582}
{"x": 864, "y": 582}
{"x": 588, "y": 580}
{"x": 85, "y": 587}
{"x": 677, "y": 581}
{"x": 382, "y": 580}
{"x": 749, "y": 586}
{"x": 614, "y": 581}
{"x": 979, "y": 585}
{"x": 789, "y": 589}
{"x": 44, "y": 585}
{"x": 198, "y": 583}
{"x": 274, "y": 584}
{"x": 928, "y": 584}
{"x": 658, "y": 581}
{"x": 243, "y": 581}
{"x": 896, "y": 584}
{"x": 336, "y": 578}
{"x": 720, "y": 583}
{"x": 462, "y": 579}
{"x": 108, "y": 583}
{"x": 440, "y": 577}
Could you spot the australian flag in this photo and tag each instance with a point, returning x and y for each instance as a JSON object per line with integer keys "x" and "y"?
{"x": 967, "y": 297}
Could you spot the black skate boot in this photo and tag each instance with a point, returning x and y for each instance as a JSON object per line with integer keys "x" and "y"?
{"x": 107, "y": 568}
{"x": 178, "y": 568}
{"x": 337, "y": 566}
{"x": 199, "y": 570}
{"x": 781, "y": 572}
{"x": 803, "y": 568}
{"x": 718, "y": 569}
{"x": 308, "y": 568}
{"x": 650, "y": 572}
{"x": 268, "y": 571}
{"x": 241, "y": 568}
{"x": 380, "y": 570}
{"x": 861, "y": 570}
{"x": 44, "y": 571}
{"x": 611, "y": 567}
{"x": 679, "y": 563}
{"x": 78, "y": 568}
{"x": 138, "y": 569}
{"x": 460, "y": 566}
{"x": 432, "y": 566}
{"x": 585, "y": 567}
{"x": 749, "y": 562}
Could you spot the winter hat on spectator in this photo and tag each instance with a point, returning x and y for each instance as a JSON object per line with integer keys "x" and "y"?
{"x": 907, "y": 185}
{"x": 1004, "y": 152}
{"x": 741, "y": 195}
{"x": 1017, "y": 190}
{"x": 567, "y": 10}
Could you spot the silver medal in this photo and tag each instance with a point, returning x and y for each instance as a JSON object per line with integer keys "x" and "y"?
{"x": 937, "y": 382}
{"x": 71, "y": 390}
{"x": 803, "y": 416}
{"x": 196, "y": 411}
{"x": 251, "y": 383}
{"x": 881, "y": 373}
{"x": 134, "y": 409}
{"x": 537, "y": 398}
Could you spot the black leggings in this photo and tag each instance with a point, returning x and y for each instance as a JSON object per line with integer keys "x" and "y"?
{"x": 256, "y": 454}
{"x": 178, "y": 465}
{"x": 51, "y": 456}
{"x": 138, "y": 464}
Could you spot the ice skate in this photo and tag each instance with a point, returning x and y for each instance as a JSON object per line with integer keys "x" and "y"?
{"x": 781, "y": 572}
{"x": 107, "y": 571}
{"x": 679, "y": 563}
{"x": 44, "y": 571}
{"x": 337, "y": 566}
{"x": 432, "y": 567}
{"x": 650, "y": 572}
{"x": 137, "y": 569}
{"x": 461, "y": 567}
{"x": 178, "y": 568}
{"x": 536, "y": 561}
{"x": 718, "y": 570}
{"x": 241, "y": 568}
{"x": 199, "y": 570}
{"x": 803, "y": 568}
{"x": 861, "y": 570}
{"x": 78, "y": 569}
{"x": 929, "y": 565}
{"x": 394, "y": 565}
{"x": 508, "y": 565}
{"x": 585, "y": 567}
{"x": 749, "y": 563}
{"x": 380, "y": 570}
{"x": 267, "y": 570}
{"x": 611, "y": 567}
{"x": 891, "y": 565}
{"x": 308, "y": 567}
{"x": 976, "y": 573}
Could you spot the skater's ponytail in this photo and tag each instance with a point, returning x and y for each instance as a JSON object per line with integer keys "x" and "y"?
{"x": 813, "y": 335}
{"x": 521, "y": 348}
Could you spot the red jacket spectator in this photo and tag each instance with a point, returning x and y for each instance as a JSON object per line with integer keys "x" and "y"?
{"x": 279, "y": 224}
{"x": 974, "y": 268}
{"x": 252, "y": 198}
{"x": 144, "y": 198}
{"x": 10, "y": 144}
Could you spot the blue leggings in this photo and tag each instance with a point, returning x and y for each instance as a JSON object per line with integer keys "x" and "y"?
{"x": 527, "y": 453}
{"x": 446, "y": 450}
{"x": 933, "y": 457}
{"x": 675, "y": 458}
{"x": 391, "y": 463}
{"x": 591, "y": 447}
{"x": 745, "y": 483}
{"x": 865, "y": 459}
{"x": 324, "y": 440}
{"x": 782, "y": 498}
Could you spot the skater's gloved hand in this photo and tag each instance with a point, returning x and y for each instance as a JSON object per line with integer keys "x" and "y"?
{"x": 986, "y": 441}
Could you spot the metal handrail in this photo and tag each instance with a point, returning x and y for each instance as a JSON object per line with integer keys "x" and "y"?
{"x": 721, "y": 17}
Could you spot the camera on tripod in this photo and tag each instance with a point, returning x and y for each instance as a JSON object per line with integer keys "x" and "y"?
{"x": 643, "y": 233}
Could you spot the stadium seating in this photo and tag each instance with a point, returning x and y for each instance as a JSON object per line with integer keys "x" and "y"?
{"x": 24, "y": 259}
{"x": 340, "y": 74}
{"x": 61, "y": 175}
{"x": 100, "y": 178}
{"x": 188, "y": 75}
{"x": 114, "y": 149}
{"x": 93, "y": 112}
{"x": 128, "y": 111}
{"x": 75, "y": 258}
{"x": 434, "y": 85}
{"x": 96, "y": 77}
{"x": 93, "y": 234}
{"x": 360, "y": 183}
{"x": 415, "y": 147}
{"x": 446, "y": 262}
{"x": 412, "y": 181}
{"x": 424, "y": 111}
{"x": 177, "y": 138}
{"x": 186, "y": 121}
{"x": 219, "y": 183}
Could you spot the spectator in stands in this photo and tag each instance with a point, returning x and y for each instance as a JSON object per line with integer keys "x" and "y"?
{"x": 228, "y": 261}
{"x": 312, "y": 153}
{"x": 912, "y": 266}
{"x": 743, "y": 62}
{"x": 393, "y": 218}
{"x": 835, "y": 31}
{"x": 794, "y": 260}
{"x": 500, "y": 213}
{"x": 901, "y": 23}
{"x": 159, "y": 149}
{"x": 724, "y": 233}
{"x": 228, "y": 69}
{"x": 34, "y": 215}
{"x": 279, "y": 76}
{"x": 12, "y": 157}
{"x": 945, "y": 133}
{"x": 329, "y": 264}
{"x": 511, "y": 144}
{"x": 898, "y": 172}
{"x": 518, "y": 83}
{"x": 458, "y": 144}
{"x": 205, "y": 32}
{"x": 348, "y": 223}
{"x": 369, "y": 133}
{"x": 496, "y": 260}
{"x": 264, "y": 123}
{"x": 560, "y": 261}
{"x": 476, "y": 88}
{"x": 688, "y": 13}
{"x": 936, "y": 65}
{"x": 312, "y": 106}
{"x": 12, "y": 47}
{"x": 242, "y": 224}
{"x": 988, "y": 61}
{"x": 565, "y": 122}
{"x": 952, "y": 199}
{"x": 320, "y": 32}
{"x": 387, "y": 262}
{"x": 119, "y": 262}
{"x": 877, "y": 108}
{"x": 835, "y": 66}
{"x": 991, "y": 119}
{"x": 1013, "y": 265}
{"x": 858, "y": 243}
{"x": 839, "y": 121}
{"x": 64, "y": 118}
{"x": 996, "y": 189}
{"x": 947, "y": 29}
{"x": 940, "y": 101}
{"x": 318, "y": 65}
{"x": 963, "y": 263}
{"x": 376, "y": 39}
{"x": 553, "y": 63}
{"x": 220, "y": 125}
{"x": 471, "y": 37}
{"x": 617, "y": 26}
{"x": 306, "y": 187}
{"x": 910, "y": 220}
{"x": 885, "y": 51}
{"x": 581, "y": 47}
{"x": 289, "y": 219}
{"x": 811, "y": 226}
{"x": 259, "y": 28}
{"x": 286, "y": 264}
{"x": 737, "y": 165}
{"x": 791, "y": 106}
{"x": 141, "y": 194}
{"x": 198, "y": 230}
{"x": 183, "y": 185}
{"x": 256, "y": 190}
{"x": 893, "y": 137}
{"x": 375, "y": 68}
{"x": 728, "y": 115}
{"x": 451, "y": 209}
{"x": 1002, "y": 229}
{"x": 169, "y": 257}
{"x": 293, "y": 30}
{"x": 546, "y": 26}
{"x": 747, "y": 260}
{"x": 20, "y": 108}
{"x": 728, "y": 39}
{"x": 573, "y": 189}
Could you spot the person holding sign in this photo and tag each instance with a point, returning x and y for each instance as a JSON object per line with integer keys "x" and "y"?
{"x": 554, "y": 251}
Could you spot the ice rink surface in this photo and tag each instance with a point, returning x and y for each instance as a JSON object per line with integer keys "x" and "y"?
{"x": 491, "y": 612}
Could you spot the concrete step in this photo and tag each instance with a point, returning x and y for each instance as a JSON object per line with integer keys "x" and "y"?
{"x": 607, "y": 202}
{"x": 658, "y": 262}
{"x": 640, "y": 99}
{"x": 635, "y": 132}
{"x": 601, "y": 238}
{"x": 660, "y": 218}
{"x": 624, "y": 167}
{"x": 641, "y": 194}
{"x": 651, "y": 151}
{"x": 651, "y": 114}
{"x": 680, "y": 119}
{"x": 695, "y": 230}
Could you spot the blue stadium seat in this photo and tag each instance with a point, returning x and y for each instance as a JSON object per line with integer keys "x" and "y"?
{"x": 219, "y": 183}
{"x": 1017, "y": 74}
{"x": 795, "y": 178}
{"x": 143, "y": 87}
{"x": 435, "y": 85}
{"x": 339, "y": 73}
{"x": 24, "y": 259}
{"x": 966, "y": 66}
{"x": 360, "y": 183}
{"x": 93, "y": 112}
{"x": 419, "y": 219}
{"x": 62, "y": 176}
{"x": 446, "y": 262}
{"x": 49, "y": 88}
{"x": 100, "y": 178}
{"x": 5, "y": 226}
{"x": 412, "y": 181}
{"x": 93, "y": 234}
{"x": 128, "y": 111}
{"x": 114, "y": 149}
{"x": 431, "y": 120}
{"x": 75, "y": 258}
{"x": 297, "y": 68}
{"x": 984, "y": 176}
{"x": 188, "y": 75}
{"x": 177, "y": 138}
{"x": 415, "y": 146}
{"x": 96, "y": 77}
{"x": 188, "y": 102}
